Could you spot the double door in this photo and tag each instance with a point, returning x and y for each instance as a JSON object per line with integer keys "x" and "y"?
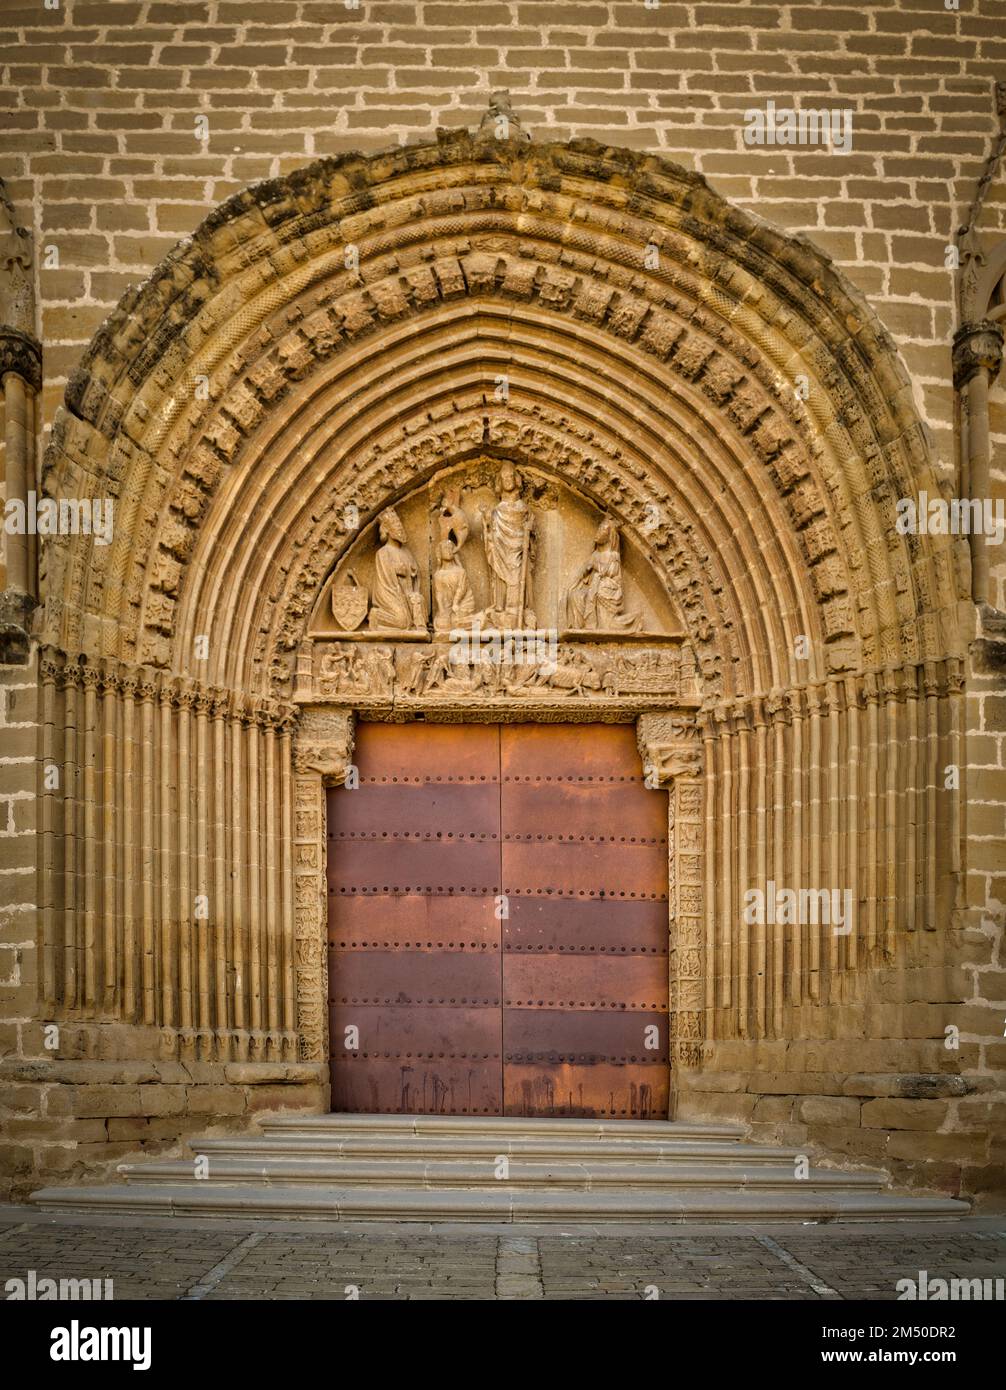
{"x": 498, "y": 924}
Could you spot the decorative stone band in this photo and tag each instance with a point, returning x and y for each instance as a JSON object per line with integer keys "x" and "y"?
{"x": 22, "y": 354}
{"x": 673, "y": 758}
{"x": 323, "y": 752}
{"x": 108, "y": 676}
{"x": 978, "y": 347}
{"x": 899, "y": 684}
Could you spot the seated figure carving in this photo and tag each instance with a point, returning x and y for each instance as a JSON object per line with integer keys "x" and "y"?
{"x": 595, "y": 602}
{"x": 398, "y": 604}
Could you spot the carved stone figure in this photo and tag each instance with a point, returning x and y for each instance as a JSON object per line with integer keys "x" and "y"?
{"x": 507, "y": 533}
{"x": 397, "y": 605}
{"x": 574, "y": 675}
{"x": 382, "y": 666}
{"x": 343, "y": 671}
{"x": 656, "y": 672}
{"x": 594, "y": 602}
{"x": 453, "y": 600}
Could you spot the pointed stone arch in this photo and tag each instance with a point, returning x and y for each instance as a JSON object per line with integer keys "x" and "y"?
{"x": 337, "y": 335}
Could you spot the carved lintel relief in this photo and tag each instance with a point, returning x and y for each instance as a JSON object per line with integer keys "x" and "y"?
{"x": 495, "y": 589}
{"x": 322, "y": 755}
{"x": 672, "y": 755}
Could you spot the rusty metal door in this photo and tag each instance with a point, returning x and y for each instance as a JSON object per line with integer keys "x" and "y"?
{"x": 414, "y": 939}
{"x": 498, "y": 924}
{"x": 584, "y": 854}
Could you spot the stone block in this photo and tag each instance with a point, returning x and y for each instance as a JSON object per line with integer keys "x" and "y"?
{"x": 87, "y": 1101}
{"x": 828, "y": 1110}
{"x": 307, "y": 1098}
{"x": 163, "y": 1100}
{"x": 887, "y": 1113}
{"x": 772, "y": 1110}
{"x": 959, "y": 1148}
{"x": 697, "y": 1105}
{"x": 921, "y": 1086}
{"x": 215, "y": 1100}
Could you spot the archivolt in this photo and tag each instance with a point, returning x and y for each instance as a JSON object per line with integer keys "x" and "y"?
{"x": 652, "y": 339}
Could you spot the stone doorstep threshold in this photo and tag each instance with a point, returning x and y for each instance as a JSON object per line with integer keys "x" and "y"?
{"x": 12, "y": 1217}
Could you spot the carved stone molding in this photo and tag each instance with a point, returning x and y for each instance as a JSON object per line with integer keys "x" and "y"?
{"x": 544, "y": 251}
{"x": 17, "y": 278}
{"x": 672, "y": 755}
{"x": 686, "y": 873}
{"x": 322, "y": 755}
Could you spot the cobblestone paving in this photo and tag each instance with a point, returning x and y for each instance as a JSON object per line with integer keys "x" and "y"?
{"x": 172, "y": 1260}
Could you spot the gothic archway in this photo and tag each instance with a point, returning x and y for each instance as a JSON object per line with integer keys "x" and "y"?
{"x": 327, "y": 341}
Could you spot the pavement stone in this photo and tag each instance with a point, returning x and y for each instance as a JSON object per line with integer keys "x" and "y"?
{"x": 175, "y": 1259}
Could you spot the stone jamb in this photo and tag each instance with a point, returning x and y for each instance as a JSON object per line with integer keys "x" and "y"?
{"x": 673, "y": 760}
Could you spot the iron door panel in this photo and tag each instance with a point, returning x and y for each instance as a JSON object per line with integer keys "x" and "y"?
{"x": 600, "y": 1089}
{"x": 577, "y": 1035}
{"x": 418, "y": 1033}
{"x": 593, "y": 870}
{"x": 585, "y": 978}
{"x": 414, "y": 941}
{"x": 386, "y": 810}
{"x": 585, "y": 926}
{"x": 438, "y": 978}
{"x": 418, "y": 921}
{"x": 404, "y": 1087}
{"x": 601, "y": 753}
{"x": 405, "y": 866}
{"x": 584, "y": 982}
{"x": 611, "y": 809}
{"x": 439, "y": 754}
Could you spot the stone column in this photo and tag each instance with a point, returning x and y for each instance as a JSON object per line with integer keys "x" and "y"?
{"x": 21, "y": 378}
{"x": 977, "y": 357}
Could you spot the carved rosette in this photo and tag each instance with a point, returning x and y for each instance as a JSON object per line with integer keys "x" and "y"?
{"x": 672, "y": 756}
{"x": 322, "y": 755}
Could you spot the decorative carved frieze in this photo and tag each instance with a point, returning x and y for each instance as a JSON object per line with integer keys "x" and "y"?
{"x": 508, "y": 671}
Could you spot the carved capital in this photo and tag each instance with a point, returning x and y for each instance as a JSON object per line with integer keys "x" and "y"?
{"x": 324, "y": 744}
{"x": 978, "y": 347}
{"x": 670, "y": 747}
{"x": 20, "y": 353}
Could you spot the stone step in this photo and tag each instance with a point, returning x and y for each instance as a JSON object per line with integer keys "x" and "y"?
{"x": 498, "y": 1124}
{"x": 388, "y": 1144}
{"x": 498, "y": 1204}
{"x": 408, "y": 1173}
{"x": 426, "y": 1168}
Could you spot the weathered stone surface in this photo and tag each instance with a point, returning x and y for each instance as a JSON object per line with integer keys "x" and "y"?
{"x": 904, "y": 1114}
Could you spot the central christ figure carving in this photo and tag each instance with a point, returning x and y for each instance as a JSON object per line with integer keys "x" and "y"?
{"x": 508, "y": 537}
